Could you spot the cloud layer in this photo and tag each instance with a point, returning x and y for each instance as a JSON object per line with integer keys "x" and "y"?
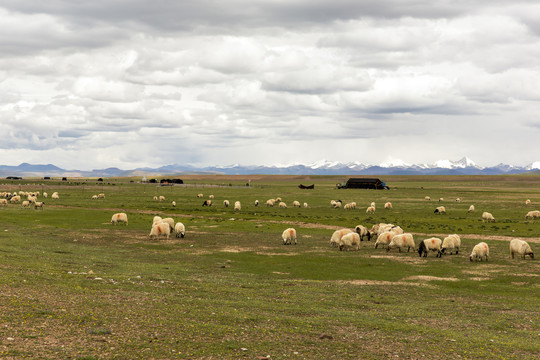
{"x": 135, "y": 83}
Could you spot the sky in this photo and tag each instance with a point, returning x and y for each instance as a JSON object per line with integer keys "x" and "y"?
{"x": 136, "y": 83}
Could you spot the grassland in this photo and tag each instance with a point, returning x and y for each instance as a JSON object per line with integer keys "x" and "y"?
{"x": 73, "y": 286}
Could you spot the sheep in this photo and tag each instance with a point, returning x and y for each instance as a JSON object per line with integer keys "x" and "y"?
{"x": 55, "y": 195}
{"x": 441, "y": 199}
{"x": 39, "y": 205}
{"x": 479, "y": 251}
{"x": 348, "y": 206}
{"x": 337, "y": 204}
{"x": 431, "y": 244}
{"x": 458, "y": 200}
{"x": 207, "y": 203}
{"x": 155, "y": 198}
{"x": 179, "y": 230}
{"x": 349, "y": 240}
{"x": 427, "y": 198}
{"x": 535, "y": 214}
{"x": 101, "y": 196}
{"x": 363, "y": 231}
{"x": 26, "y": 203}
{"x": 289, "y": 236}
{"x": 211, "y": 197}
{"x": 94, "y": 197}
{"x": 119, "y": 218}
{"x": 402, "y": 241}
{"x": 169, "y": 221}
{"x": 200, "y": 195}
{"x": 527, "y": 202}
{"x": 388, "y": 205}
{"x": 296, "y": 203}
{"x": 226, "y": 203}
{"x": 333, "y": 203}
{"x": 306, "y": 205}
{"x": 160, "y": 229}
{"x": 157, "y": 219}
{"x": 283, "y": 205}
{"x": 471, "y": 208}
{"x": 270, "y": 202}
{"x": 3, "y": 202}
{"x": 45, "y": 194}
{"x": 487, "y": 217}
{"x": 15, "y": 199}
{"x": 370, "y": 210}
{"x": 440, "y": 210}
{"x": 385, "y": 238}
{"x": 451, "y": 242}
{"x": 173, "y": 203}
{"x": 237, "y": 206}
{"x": 521, "y": 248}
{"x": 278, "y": 199}
{"x": 161, "y": 198}
{"x": 337, "y": 235}
{"x": 256, "y": 203}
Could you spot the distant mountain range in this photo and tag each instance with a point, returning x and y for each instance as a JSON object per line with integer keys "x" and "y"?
{"x": 463, "y": 166}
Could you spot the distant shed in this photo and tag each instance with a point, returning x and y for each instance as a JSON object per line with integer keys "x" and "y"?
{"x": 364, "y": 183}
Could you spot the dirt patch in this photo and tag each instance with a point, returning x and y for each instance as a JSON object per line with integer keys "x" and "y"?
{"x": 406, "y": 259}
{"x": 382, "y": 282}
{"x": 430, "y": 278}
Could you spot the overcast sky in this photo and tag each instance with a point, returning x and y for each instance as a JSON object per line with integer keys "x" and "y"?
{"x": 131, "y": 83}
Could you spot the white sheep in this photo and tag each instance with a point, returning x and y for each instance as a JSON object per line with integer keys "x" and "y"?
{"x": 451, "y": 243}
{"x": 534, "y": 214}
{"x": 200, "y": 195}
{"x": 337, "y": 235}
{"x": 427, "y": 198}
{"x": 3, "y": 202}
{"x": 441, "y": 199}
{"x": 402, "y": 241}
{"x": 173, "y": 203}
{"x": 210, "y": 196}
{"x": 296, "y": 203}
{"x": 306, "y": 205}
{"x": 15, "y": 199}
{"x": 337, "y": 204}
{"x": 226, "y": 203}
{"x": 157, "y": 219}
{"x": 39, "y": 205}
{"x": 160, "y": 229}
{"x": 256, "y": 203}
{"x": 179, "y": 230}
{"x": 521, "y": 248}
{"x": 431, "y": 244}
{"x": 26, "y": 203}
{"x": 55, "y": 195}
{"x": 487, "y": 217}
{"x": 527, "y": 202}
{"x": 363, "y": 232}
{"x": 169, "y": 221}
{"x": 388, "y": 205}
{"x": 155, "y": 198}
{"x": 440, "y": 210}
{"x": 101, "y": 196}
{"x": 237, "y": 205}
{"x": 283, "y": 205}
{"x": 479, "y": 251}
{"x": 289, "y": 236}
{"x": 270, "y": 202}
{"x": 161, "y": 198}
{"x": 471, "y": 208}
{"x": 45, "y": 194}
{"x": 385, "y": 238}
{"x": 119, "y": 218}
{"x": 350, "y": 240}
{"x": 370, "y": 210}
{"x": 94, "y": 197}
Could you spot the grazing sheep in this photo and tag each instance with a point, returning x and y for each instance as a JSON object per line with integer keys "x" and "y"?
{"x": 179, "y": 230}
{"x": 348, "y": 206}
{"x": 39, "y": 205}
{"x": 333, "y": 203}
{"x": 370, "y": 210}
{"x": 207, "y": 203}
{"x": 26, "y": 203}
{"x": 388, "y": 205}
{"x": 210, "y": 196}
{"x": 282, "y": 205}
{"x": 173, "y": 203}
{"x": 155, "y": 198}
{"x": 15, "y": 199}
{"x": 385, "y": 238}
{"x": 101, "y": 196}
{"x": 487, "y": 217}
{"x": 45, "y": 194}
{"x": 451, "y": 243}
{"x": 160, "y": 229}
{"x": 278, "y": 199}
{"x": 226, "y": 203}
{"x": 363, "y": 231}
{"x": 402, "y": 241}
{"x": 471, "y": 208}
{"x": 350, "y": 240}
{"x": 200, "y": 195}
{"x": 431, "y": 244}
{"x": 296, "y": 203}
{"x": 337, "y": 235}
{"x": 479, "y": 251}
{"x": 270, "y": 202}
{"x": 441, "y": 199}
{"x": 237, "y": 205}
{"x": 440, "y": 210}
{"x": 256, "y": 202}
{"x": 427, "y": 198}
{"x": 337, "y": 204}
{"x": 157, "y": 219}
{"x": 306, "y": 205}
{"x": 458, "y": 199}
{"x": 161, "y": 198}
{"x": 3, "y": 202}
{"x": 94, "y": 197}
{"x": 521, "y": 248}
{"x": 55, "y": 195}
{"x": 527, "y": 202}
{"x": 535, "y": 214}
{"x": 169, "y": 221}
{"x": 289, "y": 236}
{"x": 119, "y": 218}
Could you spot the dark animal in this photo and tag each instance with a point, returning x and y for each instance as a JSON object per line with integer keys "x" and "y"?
{"x": 306, "y": 186}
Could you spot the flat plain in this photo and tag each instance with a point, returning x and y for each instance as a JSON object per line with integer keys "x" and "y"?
{"x": 74, "y": 286}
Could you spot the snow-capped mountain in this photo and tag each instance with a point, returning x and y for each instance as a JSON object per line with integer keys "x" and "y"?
{"x": 464, "y": 166}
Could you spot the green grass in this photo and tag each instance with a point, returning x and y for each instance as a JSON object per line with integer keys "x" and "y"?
{"x": 74, "y": 286}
